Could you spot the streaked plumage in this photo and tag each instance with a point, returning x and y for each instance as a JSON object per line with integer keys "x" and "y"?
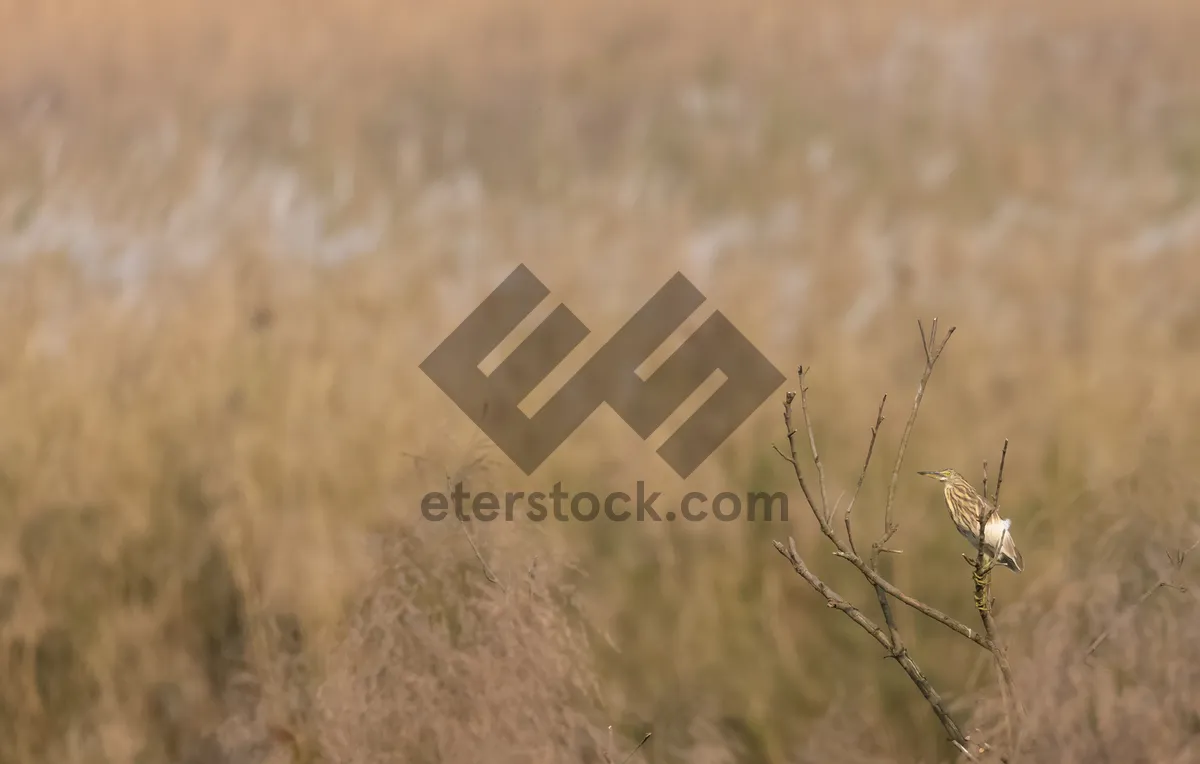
{"x": 966, "y": 508}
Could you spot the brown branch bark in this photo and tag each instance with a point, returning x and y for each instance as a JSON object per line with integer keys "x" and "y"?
{"x": 862, "y": 476}
{"x": 844, "y": 551}
{"x": 933, "y": 350}
{"x": 899, "y": 653}
{"x": 887, "y": 635}
{"x": 983, "y": 589}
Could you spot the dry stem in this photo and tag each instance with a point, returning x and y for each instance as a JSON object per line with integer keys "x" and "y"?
{"x": 863, "y": 474}
{"x": 889, "y": 639}
{"x": 1177, "y": 559}
{"x": 834, "y": 600}
{"x": 933, "y": 350}
{"x": 983, "y": 587}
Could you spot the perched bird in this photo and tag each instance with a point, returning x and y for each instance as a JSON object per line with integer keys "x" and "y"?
{"x": 967, "y": 508}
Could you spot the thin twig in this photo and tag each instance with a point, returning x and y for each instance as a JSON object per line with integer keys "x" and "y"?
{"x": 932, "y": 351}
{"x": 834, "y": 600}
{"x": 863, "y": 474}
{"x": 636, "y": 748}
{"x": 812, "y": 443}
{"x": 1177, "y": 561}
{"x": 999, "y": 477}
{"x": 983, "y": 584}
{"x": 837, "y": 505}
{"x": 1099, "y": 640}
{"x": 487, "y": 570}
{"x": 791, "y": 437}
{"x": 852, "y": 557}
{"x": 824, "y": 518}
{"x": 985, "y": 493}
{"x": 889, "y": 639}
{"x": 785, "y": 456}
{"x": 963, "y": 750}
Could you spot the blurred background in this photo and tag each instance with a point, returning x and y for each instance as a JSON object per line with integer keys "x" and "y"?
{"x": 230, "y": 232}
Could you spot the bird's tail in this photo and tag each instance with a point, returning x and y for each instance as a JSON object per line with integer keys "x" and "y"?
{"x": 1010, "y": 556}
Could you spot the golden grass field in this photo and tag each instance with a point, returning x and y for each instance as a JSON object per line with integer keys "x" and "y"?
{"x": 229, "y": 233}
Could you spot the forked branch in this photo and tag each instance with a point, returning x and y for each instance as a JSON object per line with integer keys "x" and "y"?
{"x": 887, "y": 635}
{"x": 836, "y": 601}
{"x": 863, "y": 474}
{"x": 845, "y": 552}
{"x": 982, "y": 579}
{"x": 1176, "y": 559}
{"x": 933, "y": 351}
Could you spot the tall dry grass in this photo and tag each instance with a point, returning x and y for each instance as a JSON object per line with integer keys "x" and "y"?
{"x": 230, "y": 234}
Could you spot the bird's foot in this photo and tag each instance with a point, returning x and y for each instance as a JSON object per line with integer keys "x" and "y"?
{"x": 981, "y": 602}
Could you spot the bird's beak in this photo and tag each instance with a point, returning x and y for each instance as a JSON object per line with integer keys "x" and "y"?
{"x": 926, "y": 472}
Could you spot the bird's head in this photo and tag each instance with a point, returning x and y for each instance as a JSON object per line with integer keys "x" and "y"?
{"x": 942, "y": 476}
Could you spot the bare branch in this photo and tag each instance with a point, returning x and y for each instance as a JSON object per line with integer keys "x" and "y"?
{"x": 863, "y": 474}
{"x": 636, "y": 748}
{"x": 963, "y": 750}
{"x": 933, "y": 351}
{"x": 848, "y": 554}
{"x": 812, "y": 443}
{"x": 791, "y": 436}
{"x": 823, "y": 516}
{"x": 885, "y": 634}
{"x": 924, "y": 341}
{"x": 982, "y": 579}
{"x": 786, "y": 458}
{"x": 487, "y": 570}
{"x": 607, "y": 753}
{"x": 1099, "y": 640}
{"x": 999, "y": 477}
{"x": 900, "y": 654}
{"x": 1177, "y": 559}
{"x": 837, "y": 504}
{"x": 926, "y": 610}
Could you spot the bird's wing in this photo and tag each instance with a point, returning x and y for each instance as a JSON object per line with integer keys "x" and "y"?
{"x": 1008, "y": 548}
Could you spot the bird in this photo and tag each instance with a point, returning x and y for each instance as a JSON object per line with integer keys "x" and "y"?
{"x": 967, "y": 508}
